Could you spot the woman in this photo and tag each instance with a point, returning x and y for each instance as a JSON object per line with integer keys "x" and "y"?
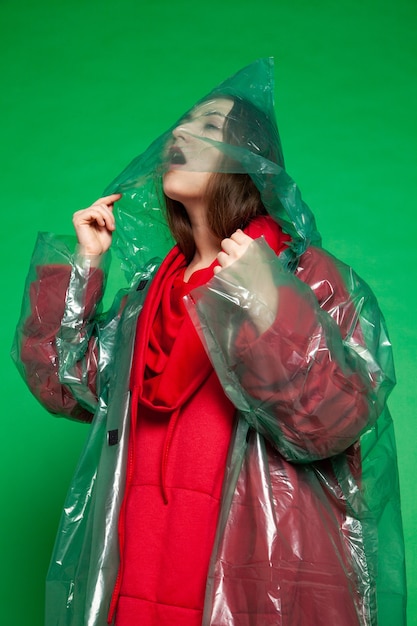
{"x": 222, "y": 482}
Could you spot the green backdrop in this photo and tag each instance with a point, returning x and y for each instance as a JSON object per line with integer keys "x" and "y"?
{"x": 87, "y": 84}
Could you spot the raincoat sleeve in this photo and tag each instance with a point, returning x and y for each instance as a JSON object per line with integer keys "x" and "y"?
{"x": 314, "y": 380}
{"x": 55, "y": 346}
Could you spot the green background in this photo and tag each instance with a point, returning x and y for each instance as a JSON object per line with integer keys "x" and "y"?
{"x": 86, "y": 85}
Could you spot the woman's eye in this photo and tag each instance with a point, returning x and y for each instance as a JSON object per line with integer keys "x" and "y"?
{"x": 210, "y": 126}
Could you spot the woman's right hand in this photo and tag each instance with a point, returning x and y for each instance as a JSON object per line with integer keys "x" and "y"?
{"x": 94, "y": 226}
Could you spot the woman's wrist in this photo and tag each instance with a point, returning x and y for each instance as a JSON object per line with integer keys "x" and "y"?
{"x": 85, "y": 257}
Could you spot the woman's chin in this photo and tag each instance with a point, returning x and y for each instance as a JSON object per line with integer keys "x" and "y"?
{"x": 183, "y": 185}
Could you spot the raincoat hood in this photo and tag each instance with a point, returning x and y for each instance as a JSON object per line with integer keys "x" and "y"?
{"x": 251, "y": 144}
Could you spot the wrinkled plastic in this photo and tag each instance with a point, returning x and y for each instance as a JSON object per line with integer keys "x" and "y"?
{"x": 310, "y": 525}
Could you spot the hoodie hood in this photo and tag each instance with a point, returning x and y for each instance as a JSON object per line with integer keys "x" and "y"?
{"x": 251, "y": 144}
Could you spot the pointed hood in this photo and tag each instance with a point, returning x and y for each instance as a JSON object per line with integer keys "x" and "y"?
{"x": 250, "y": 144}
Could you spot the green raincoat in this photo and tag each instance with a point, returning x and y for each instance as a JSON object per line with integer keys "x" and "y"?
{"x": 310, "y": 404}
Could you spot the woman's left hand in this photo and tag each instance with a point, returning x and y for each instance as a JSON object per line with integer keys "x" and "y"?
{"x": 233, "y": 248}
{"x": 256, "y": 278}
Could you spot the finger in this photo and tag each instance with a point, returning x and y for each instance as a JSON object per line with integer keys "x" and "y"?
{"x": 240, "y": 237}
{"x": 108, "y": 200}
{"x": 223, "y": 258}
{"x": 105, "y": 210}
{"x": 98, "y": 206}
{"x": 229, "y": 246}
{"x": 96, "y": 213}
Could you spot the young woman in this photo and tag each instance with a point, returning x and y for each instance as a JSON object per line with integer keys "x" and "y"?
{"x": 233, "y": 391}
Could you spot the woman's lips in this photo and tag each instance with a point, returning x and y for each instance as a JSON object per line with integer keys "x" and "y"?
{"x": 176, "y": 156}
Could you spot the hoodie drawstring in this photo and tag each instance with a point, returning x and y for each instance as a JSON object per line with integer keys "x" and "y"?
{"x": 165, "y": 453}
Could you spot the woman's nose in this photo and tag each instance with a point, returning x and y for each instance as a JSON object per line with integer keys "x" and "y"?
{"x": 183, "y": 130}
{"x": 178, "y": 132}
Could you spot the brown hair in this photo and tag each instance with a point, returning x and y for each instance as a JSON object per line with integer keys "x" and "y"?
{"x": 233, "y": 198}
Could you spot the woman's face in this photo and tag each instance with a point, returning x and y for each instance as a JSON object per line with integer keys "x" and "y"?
{"x": 191, "y": 159}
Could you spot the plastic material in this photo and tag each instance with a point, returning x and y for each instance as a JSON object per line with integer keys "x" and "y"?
{"x": 310, "y": 526}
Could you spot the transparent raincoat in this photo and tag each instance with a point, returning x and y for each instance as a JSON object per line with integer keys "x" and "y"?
{"x": 310, "y": 528}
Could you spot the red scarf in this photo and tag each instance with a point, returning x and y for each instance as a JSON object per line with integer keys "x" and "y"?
{"x": 170, "y": 362}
